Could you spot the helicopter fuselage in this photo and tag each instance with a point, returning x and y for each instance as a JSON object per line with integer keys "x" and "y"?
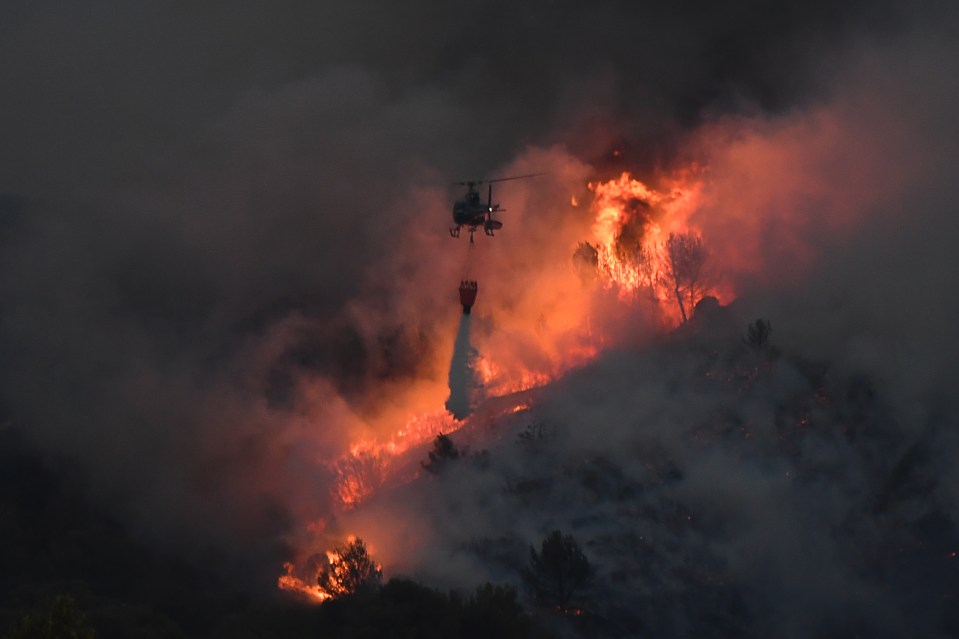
{"x": 467, "y": 214}
{"x": 472, "y": 212}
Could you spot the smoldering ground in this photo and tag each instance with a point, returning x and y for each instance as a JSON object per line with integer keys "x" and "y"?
{"x": 222, "y": 225}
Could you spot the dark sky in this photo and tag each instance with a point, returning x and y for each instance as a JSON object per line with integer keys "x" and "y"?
{"x": 217, "y": 219}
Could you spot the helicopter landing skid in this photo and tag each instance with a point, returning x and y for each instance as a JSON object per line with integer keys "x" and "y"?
{"x": 492, "y": 225}
{"x": 455, "y": 232}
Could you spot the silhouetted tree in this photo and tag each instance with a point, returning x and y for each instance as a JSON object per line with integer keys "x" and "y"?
{"x": 60, "y": 620}
{"x": 586, "y": 261}
{"x": 404, "y": 609}
{"x": 350, "y": 570}
{"x": 494, "y": 612}
{"x": 757, "y": 335}
{"x": 558, "y": 570}
{"x": 443, "y": 452}
{"x": 686, "y": 262}
{"x": 535, "y": 433}
{"x": 480, "y": 460}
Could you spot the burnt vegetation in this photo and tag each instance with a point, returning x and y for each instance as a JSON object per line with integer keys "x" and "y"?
{"x": 652, "y": 524}
{"x": 645, "y": 537}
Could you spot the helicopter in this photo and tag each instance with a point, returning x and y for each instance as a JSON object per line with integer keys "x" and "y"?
{"x": 473, "y": 213}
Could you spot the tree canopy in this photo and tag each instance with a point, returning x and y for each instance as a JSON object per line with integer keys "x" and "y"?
{"x": 557, "y": 571}
{"x": 405, "y": 609}
{"x": 444, "y": 451}
{"x": 686, "y": 269}
{"x": 350, "y": 570}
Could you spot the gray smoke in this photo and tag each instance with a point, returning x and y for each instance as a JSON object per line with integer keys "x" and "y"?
{"x": 803, "y": 490}
{"x": 221, "y": 225}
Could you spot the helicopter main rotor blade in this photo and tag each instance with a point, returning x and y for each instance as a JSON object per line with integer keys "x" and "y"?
{"x": 515, "y": 177}
{"x": 505, "y": 179}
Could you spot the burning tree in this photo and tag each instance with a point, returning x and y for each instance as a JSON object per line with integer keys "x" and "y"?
{"x": 686, "y": 269}
{"x": 349, "y": 570}
{"x": 558, "y": 570}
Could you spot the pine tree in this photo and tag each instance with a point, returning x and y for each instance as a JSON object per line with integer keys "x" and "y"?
{"x": 557, "y": 571}
{"x": 443, "y": 452}
{"x": 350, "y": 570}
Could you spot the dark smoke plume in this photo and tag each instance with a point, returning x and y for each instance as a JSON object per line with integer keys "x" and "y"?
{"x": 223, "y": 240}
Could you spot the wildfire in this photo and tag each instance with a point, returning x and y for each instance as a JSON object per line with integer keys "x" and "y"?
{"x": 347, "y": 569}
{"x": 358, "y": 474}
{"x": 632, "y": 227}
{"x": 543, "y": 336}
{"x": 364, "y": 468}
{"x": 291, "y": 583}
{"x": 498, "y": 382}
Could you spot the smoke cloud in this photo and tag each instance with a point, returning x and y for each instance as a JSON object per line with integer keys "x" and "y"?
{"x": 224, "y": 260}
{"x": 720, "y": 491}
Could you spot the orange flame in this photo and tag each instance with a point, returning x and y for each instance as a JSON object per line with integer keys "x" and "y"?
{"x": 291, "y": 583}
{"x": 364, "y": 468}
{"x": 500, "y": 382}
{"x": 632, "y": 224}
{"x": 336, "y": 568}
